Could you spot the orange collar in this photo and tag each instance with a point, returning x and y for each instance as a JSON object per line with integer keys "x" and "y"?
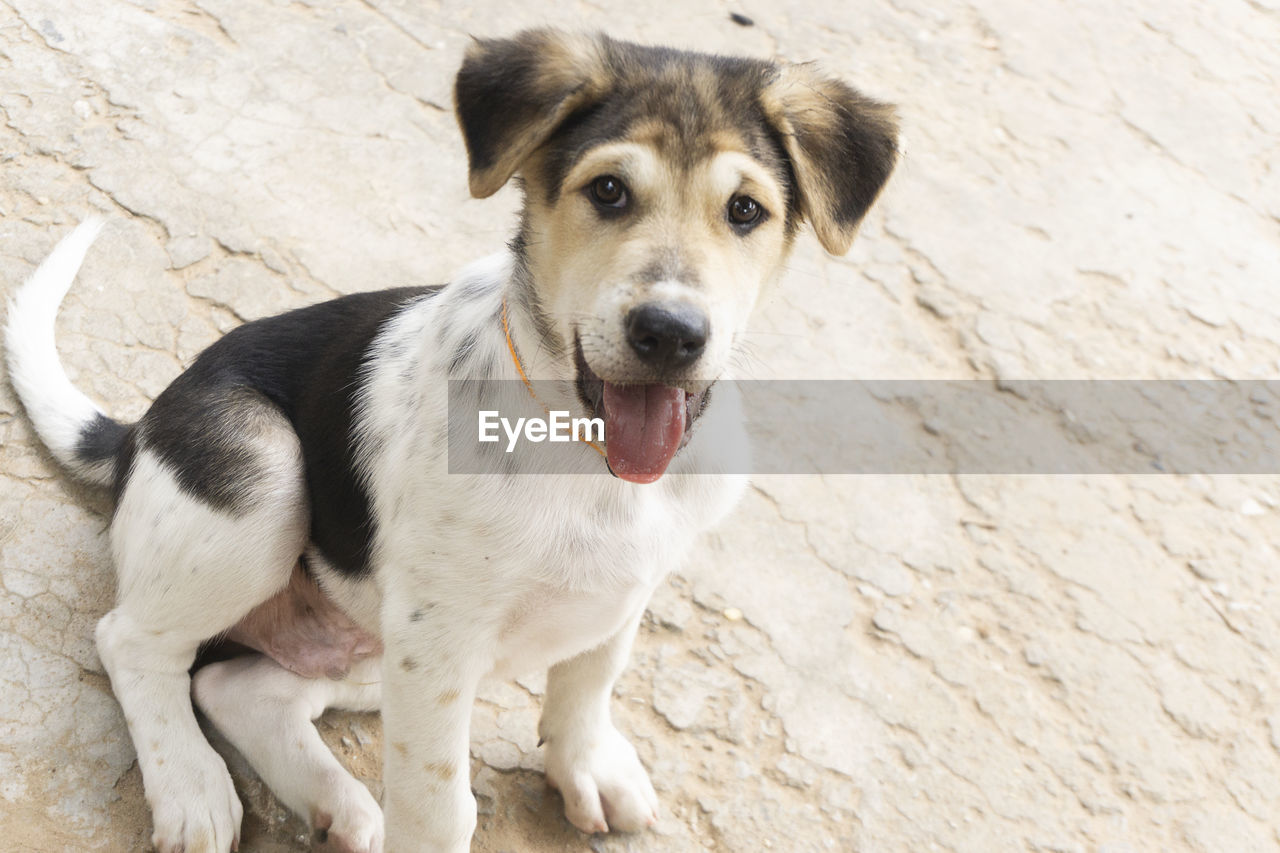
{"x": 515, "y": 359}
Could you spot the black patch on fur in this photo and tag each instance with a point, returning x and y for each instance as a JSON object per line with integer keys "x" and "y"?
{"x": 203, "y": 433}
{"x": 499, "y": 95}
{"x": 307, "y": 364}
{"x": 100, "y": 440}
{"x": 855, "y": 155}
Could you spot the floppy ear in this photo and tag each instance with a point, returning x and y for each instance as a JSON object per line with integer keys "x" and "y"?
{"x": 842, "y": 147}
{"x": 511, "y": 94}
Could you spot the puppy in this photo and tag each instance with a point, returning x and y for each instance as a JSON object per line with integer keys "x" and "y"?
{"x": 298, "y": 487}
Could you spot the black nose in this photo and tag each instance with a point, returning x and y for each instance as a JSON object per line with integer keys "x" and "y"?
{"x": 667, "y": 334}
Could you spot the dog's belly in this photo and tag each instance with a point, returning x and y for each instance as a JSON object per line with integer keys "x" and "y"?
{"x": 304, "y": 631}
{"x": 301, "y": 629}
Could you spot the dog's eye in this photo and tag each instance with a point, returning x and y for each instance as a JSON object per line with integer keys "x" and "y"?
{"x": 744, "y": 211}
{"x": 608, "y": 191}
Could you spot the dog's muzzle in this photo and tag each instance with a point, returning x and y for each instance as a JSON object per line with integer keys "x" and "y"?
{"x": 645, "y": 424}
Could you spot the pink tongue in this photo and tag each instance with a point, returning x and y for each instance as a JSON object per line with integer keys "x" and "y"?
{"x": 643, "y": 425}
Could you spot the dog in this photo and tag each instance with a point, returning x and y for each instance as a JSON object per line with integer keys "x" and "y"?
{"x": 294, "y": 489}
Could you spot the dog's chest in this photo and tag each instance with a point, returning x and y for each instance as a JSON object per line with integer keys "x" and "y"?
{"x": 552, "y": 565}
{"x": 591, "y": 571}
{"x": 550, "y": 625}
{"x": 577, "y": 533}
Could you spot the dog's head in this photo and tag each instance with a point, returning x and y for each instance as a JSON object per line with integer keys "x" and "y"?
{"x": 663, "y": 191}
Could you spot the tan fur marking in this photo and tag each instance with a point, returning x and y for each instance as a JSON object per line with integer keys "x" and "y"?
{"x": 651, "y": 132}
{"x": 440, "y": 769}
{"x": 706, "y": 84}
{"x": 723, "y": 141}
{"x": 448, "y": 697}
{"x": 570, "y": 60}
{"x": 636, "y": 162}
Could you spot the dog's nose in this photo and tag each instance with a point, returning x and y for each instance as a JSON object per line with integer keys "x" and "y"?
{"x": 667, "y": 334}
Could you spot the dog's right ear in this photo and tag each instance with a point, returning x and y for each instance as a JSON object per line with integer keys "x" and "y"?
{"x": 511, "y": 94}
{"x": 842, "y": 146}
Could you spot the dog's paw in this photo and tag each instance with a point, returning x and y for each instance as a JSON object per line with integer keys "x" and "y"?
{"x": 604, "y": 785}
{"x": 194, "y": 808}
{"x": 347, "y": 821}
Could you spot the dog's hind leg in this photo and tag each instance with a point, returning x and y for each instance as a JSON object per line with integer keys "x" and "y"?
{"x": 187, "y": 571}
{"x": 266, "y": 711}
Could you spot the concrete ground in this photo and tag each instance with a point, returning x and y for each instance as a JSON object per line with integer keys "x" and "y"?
{"x": 1091, "y": 189}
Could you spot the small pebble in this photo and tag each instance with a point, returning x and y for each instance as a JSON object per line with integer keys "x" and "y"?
{"x": 733, "y": 614}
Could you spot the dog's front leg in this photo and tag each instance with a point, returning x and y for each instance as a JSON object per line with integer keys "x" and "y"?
{"x": 432, "y": 664}
{"x": 595, "y": 768}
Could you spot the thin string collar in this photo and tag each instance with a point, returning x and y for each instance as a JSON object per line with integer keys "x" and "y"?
{"x": 524, "y": 377}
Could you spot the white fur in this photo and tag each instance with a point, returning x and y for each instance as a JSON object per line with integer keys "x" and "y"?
{"x": 57, "y": 408}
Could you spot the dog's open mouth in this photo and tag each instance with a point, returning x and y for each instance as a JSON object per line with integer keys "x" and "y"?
{"x": 644, "y": 424}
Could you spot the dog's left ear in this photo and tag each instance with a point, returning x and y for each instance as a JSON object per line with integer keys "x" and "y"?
{"x": 842, "y": 145}
{"x": 511, "y": 94}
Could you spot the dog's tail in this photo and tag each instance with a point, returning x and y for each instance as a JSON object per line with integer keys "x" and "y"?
{"x": 80, "y": 436}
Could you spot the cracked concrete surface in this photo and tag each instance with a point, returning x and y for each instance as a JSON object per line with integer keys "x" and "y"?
{"x": 873, "y": 663}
